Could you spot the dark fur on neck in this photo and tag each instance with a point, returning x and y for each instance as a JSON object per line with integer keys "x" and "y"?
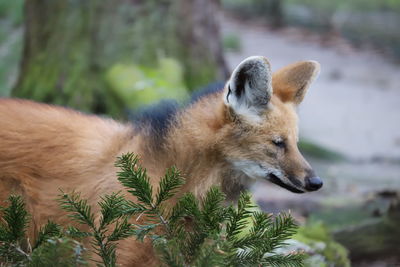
{"x": 155, "y": 120}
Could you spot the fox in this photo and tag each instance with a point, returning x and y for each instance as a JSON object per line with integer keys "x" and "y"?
{"x": 243, "y": 132}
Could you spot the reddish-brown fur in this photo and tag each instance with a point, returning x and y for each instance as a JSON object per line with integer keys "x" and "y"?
{"x": 44, "y": 148}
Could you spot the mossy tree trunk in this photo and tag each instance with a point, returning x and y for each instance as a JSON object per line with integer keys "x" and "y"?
{"x": 70, "y": 44}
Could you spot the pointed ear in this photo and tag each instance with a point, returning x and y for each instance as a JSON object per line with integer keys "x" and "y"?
{"x": 249, "y": 89}
{"x": 291, "y": 82}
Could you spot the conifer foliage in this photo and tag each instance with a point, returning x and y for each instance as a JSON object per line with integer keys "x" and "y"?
{"x": 191, "y": 232}
{"x": 51, "y": 248}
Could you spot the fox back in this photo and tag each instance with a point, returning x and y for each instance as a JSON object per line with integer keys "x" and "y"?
{"x": 230, "y": 137}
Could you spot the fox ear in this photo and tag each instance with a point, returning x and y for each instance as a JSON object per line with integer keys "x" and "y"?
{"x": 249, "y": 89}
{"x": 291, "y": 82}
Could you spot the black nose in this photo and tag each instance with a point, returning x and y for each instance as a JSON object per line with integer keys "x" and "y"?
{"x": 313, "y": 183}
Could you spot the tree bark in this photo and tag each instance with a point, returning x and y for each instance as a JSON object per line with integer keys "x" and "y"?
{"x": 70, "y": 44}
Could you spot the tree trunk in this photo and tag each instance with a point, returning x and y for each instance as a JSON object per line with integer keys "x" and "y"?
{"x": 70, "y": 44}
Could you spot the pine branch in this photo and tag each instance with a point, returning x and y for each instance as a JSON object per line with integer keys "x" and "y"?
{"x": 238, "y": 219}
{"x": 14, "y": 220}
{"x": 256, "y": 238}
{"x": 134, "y": 178}
{"x": 187, "y": 206}
{"x": 47, "y": 250}
{"x": 195, "y": 232}
{"x": 81, "y": 211}
{"x": 283, "y": 228}
{"x": 290, "y": 260}
{"x": 121, "y": 231}
{"x": 107, "y": 253}
{"x": 112, "y": 208}
{"x": 12, "y": 253}
{"x": 58, "y": 252}
{"x": 50, "y": 230}
{"x": 168, "y": 185}
{"x": 170, "y": 252}
{"x": 104, "y": 249}
{"x": 213, "y": 213}
{"x": 210, "y": 254}
{"x": 130, "y": 208}
{"x": 74, "y": 232}
{"x": 262, "y": 222}
{"x": 266, "y": 235}
{"x": 143, "y": 230}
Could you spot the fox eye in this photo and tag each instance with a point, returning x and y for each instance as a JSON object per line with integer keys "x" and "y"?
{"x": 279, "y": 143}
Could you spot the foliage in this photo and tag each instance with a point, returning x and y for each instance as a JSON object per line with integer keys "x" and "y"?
{"x": 60, "y": 252}
{"x": 199, "y": 232}
{"x": 12, "y": 230}
{"x": 49, "y": 248}
{"x": 186, "y": 231}
{"x": 317, "y": 236}
{"x": 113, "y": 212}
{"x": 136, "y": 85}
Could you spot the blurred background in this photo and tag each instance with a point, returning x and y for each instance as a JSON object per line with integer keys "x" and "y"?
{"x": 111, "y": 57}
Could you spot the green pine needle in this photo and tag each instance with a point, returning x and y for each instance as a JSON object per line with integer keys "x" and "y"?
{"x": 290, "y": 260}
{"x": 187, "y": 206}
{"x": 74, "y": 232}
{"x": 213, "y": 213}
{"x": 283, "y": 228}
{"x": 121, "y": 231}
{"x": 238, "y": 219}
{"x": 143, "y": 230}
{"x": 81, "y": 211}
{"x": 169, "y": 252}
{"x": 168, "y": 185}
{"x": 134, "y": 178}
{"x": 50, "y": 230}
{"x": 61, "y": 252}
{"x": 130, "y": 208}
{"x": 14, "y": 221}
{"x": 112, "y": 208}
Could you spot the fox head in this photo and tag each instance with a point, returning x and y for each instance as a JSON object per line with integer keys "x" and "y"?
{"x": 261, "y": 139}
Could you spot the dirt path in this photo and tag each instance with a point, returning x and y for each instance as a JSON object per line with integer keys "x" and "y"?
{"x": 353, "y": 107}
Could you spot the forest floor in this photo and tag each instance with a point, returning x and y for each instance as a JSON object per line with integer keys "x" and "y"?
{"x": 352, "y": 108}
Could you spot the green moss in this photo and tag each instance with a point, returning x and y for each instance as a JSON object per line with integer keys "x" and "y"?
{"x": 140, "y": 85}
{"x": 317, "y": 236}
